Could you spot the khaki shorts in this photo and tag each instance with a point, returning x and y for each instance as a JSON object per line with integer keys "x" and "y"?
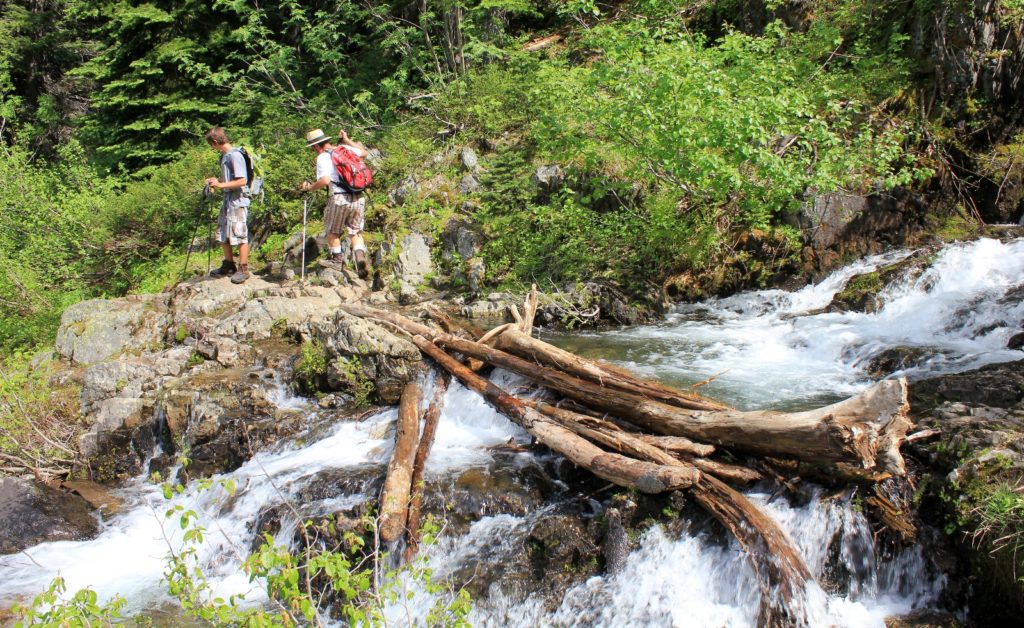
{"x": 231, "y": 225}
{"x": 344, "y": 214}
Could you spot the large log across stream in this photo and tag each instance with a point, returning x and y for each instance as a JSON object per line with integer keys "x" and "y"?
{"x": 865, "y": 431}
{"x": 607, "y": 428}
{"x": 781, "y": 573}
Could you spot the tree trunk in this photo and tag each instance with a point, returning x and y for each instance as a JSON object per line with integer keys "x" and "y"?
{"x": 524, "y": 346}
{"x": 620, "y": 470}
{"x": 430, "y": 420}
{"x": 394, "y": 497}
{"x": 864, "y": 431}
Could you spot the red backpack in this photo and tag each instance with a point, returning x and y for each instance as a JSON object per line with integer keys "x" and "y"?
{"x": 354, "y": 173}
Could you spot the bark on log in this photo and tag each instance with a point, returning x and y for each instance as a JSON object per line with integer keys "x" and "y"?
{"x": 524, "y": 346}
{"x": 679, "y": 445}
{"x": 430, "y": 420}
{"x": 608, "y": 434}
{"x": 864, "y": 431}
{"x": 620, "y": 470}
{"x": 394, "y": 497}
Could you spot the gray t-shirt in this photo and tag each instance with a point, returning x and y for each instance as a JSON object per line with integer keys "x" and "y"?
{"x": 232, "y": 166}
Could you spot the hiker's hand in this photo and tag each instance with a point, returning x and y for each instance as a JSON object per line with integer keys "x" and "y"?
{"x": 343, "y": 135}
{"x": 213, "y": 182}
{"x": 305, "y": 186}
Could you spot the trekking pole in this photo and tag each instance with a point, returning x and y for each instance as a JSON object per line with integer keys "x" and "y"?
{"x": 305, "y": 205}
{"x": 209, "y": 229}
{"x": 188, "y": 253}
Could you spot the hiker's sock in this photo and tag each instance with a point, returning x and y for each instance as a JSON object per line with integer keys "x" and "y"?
{"x": 361, "y": 247}
{"x": 336, "y": 250}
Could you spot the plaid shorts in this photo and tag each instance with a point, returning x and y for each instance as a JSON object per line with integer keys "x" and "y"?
{"x": 231, "y": 225}
{"x": 344, "y": 214}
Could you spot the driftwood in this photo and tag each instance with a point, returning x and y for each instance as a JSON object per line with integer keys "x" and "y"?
{"x": 864, "y": 431}
{"x": 524, "y": 346}
{"x": 394, "y": 497}
{"x": 620, "y": 470}
{"x": 430, "y": 420}
{"x": 781, "y": 572}
{"x": 646, "y": 436}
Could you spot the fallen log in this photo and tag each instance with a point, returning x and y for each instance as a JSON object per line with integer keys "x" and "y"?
{"x": 782, "y": 574}
{"x": 430, "y": 420}
{"x": 608, "y": 434}
{"x": 864, "y": 431}
{"x": 394, "y": 497}
{"x": 618, "y": 469}
{"x": 513, "y": 341}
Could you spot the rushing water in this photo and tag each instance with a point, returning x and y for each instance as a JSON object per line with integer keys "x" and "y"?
{"x": 767, "y": 349}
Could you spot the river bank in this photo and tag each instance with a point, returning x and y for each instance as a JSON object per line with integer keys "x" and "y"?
{"x": 210, "y": 369}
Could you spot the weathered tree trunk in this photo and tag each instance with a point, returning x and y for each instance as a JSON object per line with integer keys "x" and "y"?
{"x": 864, "y": 431}
{"x": 781, "y": 572}
{"x": 430, "y": 420}
{"x": 620, "y": 470}
{"x": 394, "y": 497}
{"x": 524, "y": 346}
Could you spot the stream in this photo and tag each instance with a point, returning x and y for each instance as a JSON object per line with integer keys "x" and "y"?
{"x": 763, "y": 349}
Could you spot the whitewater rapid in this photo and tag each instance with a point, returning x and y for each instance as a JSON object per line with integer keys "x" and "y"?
{"x": 764, "y": 349}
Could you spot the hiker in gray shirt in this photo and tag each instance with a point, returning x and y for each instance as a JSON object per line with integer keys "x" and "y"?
{"x": 232, "y": 227}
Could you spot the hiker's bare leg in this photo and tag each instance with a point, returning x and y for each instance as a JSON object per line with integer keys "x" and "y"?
{"x": 227, "y": 252}
{"x": 333, "y": 241}
{"x": 357, "y": 242}
{"x": 243, "y": 253}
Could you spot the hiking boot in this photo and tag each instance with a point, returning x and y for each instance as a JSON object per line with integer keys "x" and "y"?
{"x": 227, "y": 268}
{"x": 241, "y": 275}
{"x": 362, "y": 268}
{"x": 335, "y": 262}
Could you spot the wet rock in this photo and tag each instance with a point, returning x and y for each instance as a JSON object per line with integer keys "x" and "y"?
{"x": 560, "y": 551}
{"x": 896, "y": 359}
{"x": 95, "y": 330}
{"x": 1016, "y": 341}
{"x": 97, "y": 496}
{"x": 616, "y": 543}
{"x": 995, "y": 385}
{"x": 31, "y": 513}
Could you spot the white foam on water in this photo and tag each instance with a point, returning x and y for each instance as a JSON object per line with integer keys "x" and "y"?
{"x": 768, "y": 348}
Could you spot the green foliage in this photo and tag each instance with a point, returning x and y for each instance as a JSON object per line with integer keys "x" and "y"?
{"x": 39, "y": 421}
{"x": 311, "y": 367}
{"x": 356, "y": 381}
{"x": 51, "y": 608}
{"x": 348, "y": 578}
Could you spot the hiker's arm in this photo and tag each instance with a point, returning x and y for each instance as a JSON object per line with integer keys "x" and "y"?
{"x": 347, "y": 141}
{"x": 234, "y": 184}
{"x": 320, "y": 184}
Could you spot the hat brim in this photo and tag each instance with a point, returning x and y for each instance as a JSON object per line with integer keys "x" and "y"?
{"x": 319, "y": 140}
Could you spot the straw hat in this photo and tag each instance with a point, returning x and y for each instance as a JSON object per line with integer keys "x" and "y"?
{"x": 315, "y": 137}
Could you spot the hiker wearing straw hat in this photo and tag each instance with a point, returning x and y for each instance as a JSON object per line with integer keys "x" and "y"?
{"x": 344, "y": 212}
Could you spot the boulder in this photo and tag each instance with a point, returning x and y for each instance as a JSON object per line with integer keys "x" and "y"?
{"x": 31, "y": 513}
{"x": 404, "y": 191}
{"x": 468, "y": 160}
{"x": 256, "y": 319}
{"x": 413, "y": 267}
{"x": 383, "y": 360}
{"x": 95, "y": 330}
{"x": 461, "y": 239}
{"x": 547, "y": 179}
{"x": 468, "y": 184}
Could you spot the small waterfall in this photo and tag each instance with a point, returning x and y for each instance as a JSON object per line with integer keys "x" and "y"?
{"x": 768, "y": 348}
{"x": 779, "y": 349}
